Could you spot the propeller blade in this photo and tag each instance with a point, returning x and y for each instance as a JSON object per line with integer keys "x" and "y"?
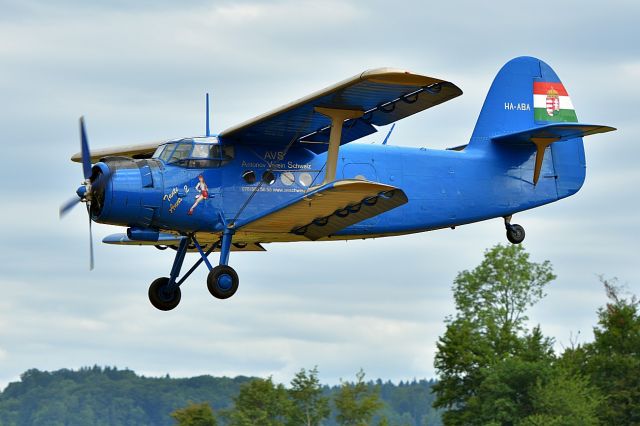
{"x": 84, "y": 150}
{"x": 66, "y": 207}
{"x": 90, "y": 238}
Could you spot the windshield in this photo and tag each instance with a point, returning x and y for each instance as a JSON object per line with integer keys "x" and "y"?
{"x": 188, "y": 153}
{"x": 181, "y": 152}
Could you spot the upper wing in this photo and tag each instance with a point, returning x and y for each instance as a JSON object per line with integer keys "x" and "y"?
{"x": 327, "y": 209}
{"x": 385, "y": 95}
{"x": 134, "y": 151}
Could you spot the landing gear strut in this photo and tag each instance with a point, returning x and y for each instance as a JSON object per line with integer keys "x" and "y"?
{"x": 515, "y": 232}
{"x": 222, "y": 282}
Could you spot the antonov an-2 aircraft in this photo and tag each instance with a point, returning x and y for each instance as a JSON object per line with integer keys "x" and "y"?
{"x": 292, "y": 174}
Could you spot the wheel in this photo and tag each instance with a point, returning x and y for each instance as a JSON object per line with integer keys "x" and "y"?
{"x": 515, "y": 234}
{"x": 222, "y": 282}
{"x": 159, "y": 297}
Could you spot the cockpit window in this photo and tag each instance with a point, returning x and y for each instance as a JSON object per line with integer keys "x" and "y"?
{"x": 201, "y": 150}
{"x": 181, "y": 152}
{"x": 158, "y": 151}
{"x": 188, "y": 153}
{"x": 168, "y": 150}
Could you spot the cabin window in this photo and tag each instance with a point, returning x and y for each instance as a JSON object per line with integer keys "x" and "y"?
{"x": 249, "y": 176}
{"x": 268, "y": 177}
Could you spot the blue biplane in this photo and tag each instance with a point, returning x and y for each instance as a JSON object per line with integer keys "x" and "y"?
{"x": 293, "y": 175}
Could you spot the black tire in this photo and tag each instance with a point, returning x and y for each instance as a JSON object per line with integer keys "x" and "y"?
{"x": 159, "y": 297}
{"x": 222, "y": 282}
{"x": 515, "y": 234}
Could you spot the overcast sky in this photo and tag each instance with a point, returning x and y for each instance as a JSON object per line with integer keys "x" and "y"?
{"x": 138, "y": 73}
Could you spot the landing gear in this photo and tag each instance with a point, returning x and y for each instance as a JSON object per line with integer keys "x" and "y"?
{"x": 162, "y": 296}
{"x": 222, "y": 282}
{"x": 515, "y": 232}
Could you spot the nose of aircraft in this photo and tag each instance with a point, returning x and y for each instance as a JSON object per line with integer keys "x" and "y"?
{"x": 97, "y": 188}
{"x": 131, "y": 193}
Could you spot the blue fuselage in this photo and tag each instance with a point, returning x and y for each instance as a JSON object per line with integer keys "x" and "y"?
{"x": 444, "y": 187}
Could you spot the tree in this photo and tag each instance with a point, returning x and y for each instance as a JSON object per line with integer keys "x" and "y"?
{"x": 309, "y": 406}
{"x": 612, "y": 360}
{"x": 195, "y": 415}
{"x": 565, "y": 399}
{"x": 486, "y": 361}
{"x": 495, "y": 295}
{"x": 261, "y": 402}
{"x": 357, "y": 402}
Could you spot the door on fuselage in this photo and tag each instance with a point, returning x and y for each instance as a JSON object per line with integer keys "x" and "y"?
{"x": 361, "y": 171}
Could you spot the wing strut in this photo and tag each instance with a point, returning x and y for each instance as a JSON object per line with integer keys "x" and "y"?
{"x": 337, "y": 116}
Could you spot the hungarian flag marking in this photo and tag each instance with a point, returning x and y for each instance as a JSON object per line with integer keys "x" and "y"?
{"x": 551, "y": 102}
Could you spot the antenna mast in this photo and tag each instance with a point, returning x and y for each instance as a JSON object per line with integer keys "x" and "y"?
{"x": 208, "y": 131}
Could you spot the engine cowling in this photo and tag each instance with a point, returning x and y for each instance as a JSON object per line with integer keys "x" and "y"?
{"x": 133, "y": 193}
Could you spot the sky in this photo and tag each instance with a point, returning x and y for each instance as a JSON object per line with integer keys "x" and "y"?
{"x": 138, "y": 72}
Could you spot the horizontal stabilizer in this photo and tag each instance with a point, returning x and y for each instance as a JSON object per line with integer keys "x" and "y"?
{"x": 328, "y": 209}
{"x": 543, "y": 136}
{"x": 556, "y": 131}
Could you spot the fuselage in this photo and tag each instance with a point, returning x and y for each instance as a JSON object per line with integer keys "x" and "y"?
{"x": 445, "y": 188}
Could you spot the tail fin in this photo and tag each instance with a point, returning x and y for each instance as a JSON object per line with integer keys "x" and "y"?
{"x": 525, "y": 93}
{"x": 527, "y": 103}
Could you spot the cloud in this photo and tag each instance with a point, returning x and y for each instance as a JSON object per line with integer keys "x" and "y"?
{"x": 138, "y": 73}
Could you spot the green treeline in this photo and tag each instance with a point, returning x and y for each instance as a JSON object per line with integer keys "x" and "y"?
{"x": 109, "y": 396}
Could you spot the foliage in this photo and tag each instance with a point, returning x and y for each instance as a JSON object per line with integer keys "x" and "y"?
{"x": 357, "y": 403}
{"x": 261, "y": 402}
{"x": 108, "y": 396}
{"x": 612, "y": 360}
{"x": 495, "y": 294}
{"x": 195, "y": 415}
{"x": 310, "y": 407}
{"x": 487, "y": 363}
{"x": 565, "y": 399}
{"x": 409, "y": 403}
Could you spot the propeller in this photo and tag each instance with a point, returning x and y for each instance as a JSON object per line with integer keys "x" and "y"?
{"x": 92, "y": 185}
